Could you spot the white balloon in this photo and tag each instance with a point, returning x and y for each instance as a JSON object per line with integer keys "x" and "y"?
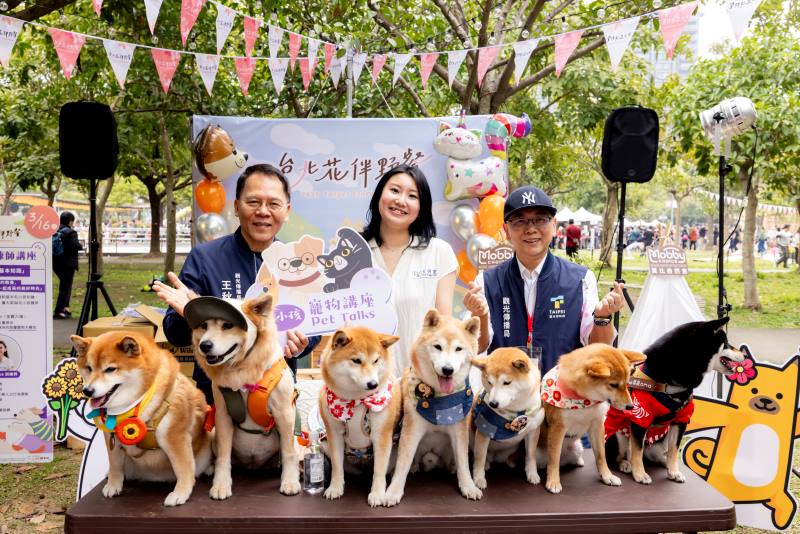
{"x": 210, "y": 226}
{"x": 462, "y": 221}
{"x": 478, "y": 242}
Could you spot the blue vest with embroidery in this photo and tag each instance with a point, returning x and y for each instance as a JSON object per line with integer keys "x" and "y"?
{"x": 493, "y": 425}
{"x": 446, "y": 410}
{"x": 557, "y": 310}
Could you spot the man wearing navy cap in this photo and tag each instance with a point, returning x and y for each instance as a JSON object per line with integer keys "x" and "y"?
{"x": 535, "y": 300}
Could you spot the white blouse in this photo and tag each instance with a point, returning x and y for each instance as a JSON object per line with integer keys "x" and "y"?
{"x": 414, "y": 284}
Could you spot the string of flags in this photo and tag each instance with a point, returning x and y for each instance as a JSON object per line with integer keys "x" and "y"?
{"x": 68, "y": 45}
{"x": 740, "y": 202}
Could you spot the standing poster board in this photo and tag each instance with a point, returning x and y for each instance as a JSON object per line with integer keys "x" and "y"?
{"x": 26, "y": 335}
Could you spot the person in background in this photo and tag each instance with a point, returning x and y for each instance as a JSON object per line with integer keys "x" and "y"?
{"x": 402, "y": 238}
{"x": 65, "y": 265}
{"x": 573, "y": 233}
{"x": 694, "y": 235}
{"x": 783, "y": 240}
{"x": 761, "y": 238}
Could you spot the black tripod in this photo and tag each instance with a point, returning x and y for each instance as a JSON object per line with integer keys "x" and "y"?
{"x": 94, "y": 283}
{"x": 620, "y": 249}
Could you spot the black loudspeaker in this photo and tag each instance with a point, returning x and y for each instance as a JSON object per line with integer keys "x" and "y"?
{"x": 630, "y": 145}
{"x": 87, "y": 135}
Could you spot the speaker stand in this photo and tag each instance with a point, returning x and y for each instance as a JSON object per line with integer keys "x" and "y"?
{"x": 620, "y": 250}
{"x": 94, "y": 282}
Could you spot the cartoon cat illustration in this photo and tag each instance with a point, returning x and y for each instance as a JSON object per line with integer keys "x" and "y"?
{"x": 350, "y": 256}
{"x": 751, "y": 458}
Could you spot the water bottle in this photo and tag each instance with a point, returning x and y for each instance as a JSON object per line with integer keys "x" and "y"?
{"x": 314, "y": 466}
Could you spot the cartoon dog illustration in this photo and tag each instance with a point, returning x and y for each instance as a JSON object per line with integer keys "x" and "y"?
{"x": 294, "y": 265}
{"x": 750, "y": 460}
{"x": 215, "y": 154}
{"x": 31, "y": 431}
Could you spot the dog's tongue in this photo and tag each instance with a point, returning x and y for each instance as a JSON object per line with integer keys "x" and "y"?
{"x": 446, "y": 384}
{"x": 97, "y": 401}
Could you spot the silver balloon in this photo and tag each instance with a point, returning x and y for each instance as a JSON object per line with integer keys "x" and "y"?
{"x": 210, "y": 226}
{"x": 462, "y": 221}
{"x": 478, "y": 242}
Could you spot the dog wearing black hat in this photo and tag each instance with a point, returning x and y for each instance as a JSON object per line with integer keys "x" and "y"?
{"x": 236, "y": 344}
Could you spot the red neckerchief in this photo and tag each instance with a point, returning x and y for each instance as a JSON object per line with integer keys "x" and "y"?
{"x": 646, "y": 408}
{"x": 558, "y": 394}
{"x": 342, "y": 409}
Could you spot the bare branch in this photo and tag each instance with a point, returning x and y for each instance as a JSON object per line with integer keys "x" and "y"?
{"x": 38, "y": 10}
{"x": 459, "y": 27}
{"x": 417, "y": 100}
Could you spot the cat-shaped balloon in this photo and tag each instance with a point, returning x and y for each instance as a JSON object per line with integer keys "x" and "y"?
{"x": 350, "y": 256}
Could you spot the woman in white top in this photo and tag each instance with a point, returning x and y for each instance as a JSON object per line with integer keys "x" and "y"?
{"x": 402, "y": 236}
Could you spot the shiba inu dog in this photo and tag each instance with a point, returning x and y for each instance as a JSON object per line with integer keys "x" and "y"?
{"x": 216, "y": 154}
{"x": 576, "y": 394}
{"x": 661, "y": 390}
{"x": 507, "y": 412}
{"x": 360, "y": 405}
{"x": 151, "y": 415}
{"x": 437, "y": 399}
{"x": 236, "y": 344}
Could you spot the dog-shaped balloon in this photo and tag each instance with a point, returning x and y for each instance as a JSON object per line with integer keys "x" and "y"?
{"x": 215, "y": 154}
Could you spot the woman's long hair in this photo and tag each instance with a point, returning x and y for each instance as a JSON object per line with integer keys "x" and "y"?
{"x": 423, "y": 226}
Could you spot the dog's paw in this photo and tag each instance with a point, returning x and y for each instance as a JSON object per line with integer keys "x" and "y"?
{"x": 480, "y": 482}
{"x": 292, "y": 487}
{"x": 176, "y": 498}
{"x": 642, "y": 478}
{"x": 209, "y": 472}
{"x": 611, "y": 480}
{"x": 335, "y": 490}
{"x": 625, "y": 466}
{"x": 376, "y": 498}
{"x": 112, "y": 489}
{"x": 221, "y": 490}
{"x": 392, "y": 498}
{"x": 677, "y": 476}
{"x": 553, "y": 487}
{"x": 533, "y": 476}
{"x": 579, "y": 461}
{"x": 471, "y": 491}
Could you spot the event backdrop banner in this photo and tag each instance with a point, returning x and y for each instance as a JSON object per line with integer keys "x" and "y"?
{"x": 26, "y": 335}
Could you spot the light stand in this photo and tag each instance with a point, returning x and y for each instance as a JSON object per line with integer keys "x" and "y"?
{"x": 620, "y": 250}
{"x": 723, "y": 307}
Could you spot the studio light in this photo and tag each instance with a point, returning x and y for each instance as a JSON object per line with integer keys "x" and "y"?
{"x": 729, "y": 118}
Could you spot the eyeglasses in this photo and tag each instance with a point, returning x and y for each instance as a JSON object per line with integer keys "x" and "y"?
{"x": 272, "y": 205}
{"x": 522, "y": 223}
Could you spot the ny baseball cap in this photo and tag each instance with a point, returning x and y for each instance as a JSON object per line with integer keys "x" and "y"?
{"x": 202, "y": 309}
{"x": 524, "y": 197}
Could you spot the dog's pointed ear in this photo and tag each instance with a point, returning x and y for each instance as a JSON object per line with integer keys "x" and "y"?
{"x": 432, "y": 318}
{"x": 261, "y": 305}
{"x": 521, "y": 364}
{"x": 718, "y": 324}
{"x": 633, "y": 356}
{"x": 480, "y": 363}
{"x": 388, "y": 341}
{"x": 598, "y": 369}
{"x": 340, "y": 339}
{"x": 129, "y": 346}
{"x": 473, "y": 326}
{"x": 81, "y": 344}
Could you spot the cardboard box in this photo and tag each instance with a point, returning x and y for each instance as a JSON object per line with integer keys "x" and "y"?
{"x": 151, "y": 325}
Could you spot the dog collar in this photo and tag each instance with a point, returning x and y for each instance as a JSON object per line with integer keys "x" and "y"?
{"x": 109, "y": 420}
{"x": 558, "y": 394}
{"x": 443, "y": 410}
{"x": 640, "y": 380}
{"x": 302, "y": 282}
{"x": 497, "y": 426}
{"x": 342, "y": 409}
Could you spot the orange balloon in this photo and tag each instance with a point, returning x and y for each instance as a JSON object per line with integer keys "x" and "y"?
{"x": 466, "y": 271}
{"x": 210, "y": 196}
{"x": 490, "y": 214}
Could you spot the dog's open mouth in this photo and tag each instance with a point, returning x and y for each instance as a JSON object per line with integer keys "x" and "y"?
{"x": 446, "y": 383}
{"x": 214, "y": 359}
{"x": 729, "y": 363}
{"x": 99, "y": 402}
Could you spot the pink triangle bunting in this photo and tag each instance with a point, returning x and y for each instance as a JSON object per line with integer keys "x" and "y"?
{"x": 565, "y": 45}
{"x": 190, "y": 9}
{"x": 378, "y": 61}
{"x": 97, "y": 5}
{"x": 251, "y": 26}
{"x": 166, "y": 62}
{"x": 245, "y": 67}
{"x": 485, "y": 58}
{"x": 329, "y": 50}
{"x": 307, "y": 68}
{"x": 672, "y": 21}
{"x": 295, "y": 40}
{"x": 68, "y": 47}
{"x": 427, "y": 61}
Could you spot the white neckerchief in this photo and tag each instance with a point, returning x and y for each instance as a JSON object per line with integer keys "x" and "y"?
{"x": 529, "y": 278}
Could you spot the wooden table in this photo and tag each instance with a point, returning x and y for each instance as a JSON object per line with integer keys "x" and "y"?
{"x": 431, "y": 502}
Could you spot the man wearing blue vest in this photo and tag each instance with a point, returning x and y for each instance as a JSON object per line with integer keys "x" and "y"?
{"x": 539, "y": 302}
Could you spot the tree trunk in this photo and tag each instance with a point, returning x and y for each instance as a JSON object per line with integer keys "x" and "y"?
{"x": 678, "y": 201}
{"x": 50, "y": 188}
{"x": 751, "y": 300}
{"x": 8, "y": 189}
{"x": 169, "y": 198}
{"x": 609, "y": 219}
{"x": 155, "y": 216}
{"x": 103, "y": 190}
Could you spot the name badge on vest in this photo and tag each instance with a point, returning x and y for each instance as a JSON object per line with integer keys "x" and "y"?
{"x": 425, "y": 273}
